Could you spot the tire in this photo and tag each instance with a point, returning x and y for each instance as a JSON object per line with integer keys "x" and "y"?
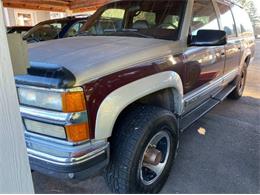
{"x": 237, "y": 93}
{"x": 139, "y": 128}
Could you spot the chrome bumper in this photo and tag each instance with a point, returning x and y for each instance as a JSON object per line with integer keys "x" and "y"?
{"x": 53, "y": 157}
{"x": 59, "y": 157}
{"x": 60, "y": 153}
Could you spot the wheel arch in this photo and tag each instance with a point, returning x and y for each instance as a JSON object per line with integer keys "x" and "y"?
{"x": 118, "y": 101}
{"x": 246, "y": 58}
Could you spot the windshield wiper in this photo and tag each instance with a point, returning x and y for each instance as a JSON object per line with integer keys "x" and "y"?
{"x": 110, "y": 32}
{"x": 82, "y": 33}
{"x": 136, "y": 32}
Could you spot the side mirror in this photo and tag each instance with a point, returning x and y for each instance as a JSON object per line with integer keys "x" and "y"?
{"x": 209, "y": 38}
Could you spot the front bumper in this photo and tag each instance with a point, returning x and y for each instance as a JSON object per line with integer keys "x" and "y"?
{"x": 56, "y": 156}
{"x": 64, "y": 160}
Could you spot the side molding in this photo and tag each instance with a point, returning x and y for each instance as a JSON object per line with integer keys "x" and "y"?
{"x": 119, "y": 99}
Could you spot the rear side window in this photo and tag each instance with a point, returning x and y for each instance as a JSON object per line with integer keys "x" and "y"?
{"x": 204, "y": 16}
{"x": 227, "y": 20}
{"x": 243, "y": 22}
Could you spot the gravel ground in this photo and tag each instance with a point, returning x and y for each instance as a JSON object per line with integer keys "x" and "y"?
{"x": 224, "y": 160}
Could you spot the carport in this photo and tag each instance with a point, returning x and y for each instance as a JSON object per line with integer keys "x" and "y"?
{"x": 14, "y": 165}
{"x": 73, "y": 6}
{"x": 222, "y": 159}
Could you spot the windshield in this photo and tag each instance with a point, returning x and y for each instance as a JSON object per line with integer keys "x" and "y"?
{"x": 159, "y": 19}
{"x": 45, "y": 31}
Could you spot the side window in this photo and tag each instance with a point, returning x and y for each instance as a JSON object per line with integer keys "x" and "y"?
{"x": 243, "y": 21}
{"x": 204, "y": 16}
{"x": 227, "y": 20}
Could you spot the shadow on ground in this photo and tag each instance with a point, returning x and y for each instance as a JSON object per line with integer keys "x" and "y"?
{"x": 224, "y": 160}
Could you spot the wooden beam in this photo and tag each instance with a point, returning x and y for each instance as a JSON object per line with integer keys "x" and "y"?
{"x": 48, "y": 5}
{"x": 35, "y": 6}
{"x": 57, "y": 5}
{"x": 86, "y": 9}
{"x": 46, "y": 2}
{"x": 14, "y": 166}
{"x": 76, "y": 4}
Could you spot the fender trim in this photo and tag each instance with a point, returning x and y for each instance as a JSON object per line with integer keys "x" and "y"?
{"x": 119, "y": 99}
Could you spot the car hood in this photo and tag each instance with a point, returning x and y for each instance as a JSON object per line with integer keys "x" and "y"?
{"x": 92, "y": 57}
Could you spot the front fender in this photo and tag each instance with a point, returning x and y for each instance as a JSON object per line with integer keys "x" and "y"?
{"x": 118, "y": 100}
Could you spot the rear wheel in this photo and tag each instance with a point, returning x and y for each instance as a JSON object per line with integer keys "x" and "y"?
{"x": 240, "y": 84}
{"x": 142, "y": 151}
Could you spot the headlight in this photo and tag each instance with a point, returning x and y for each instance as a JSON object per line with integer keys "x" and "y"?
{"x": 52, "y": 100}
{"x": 40, "y": 98}
{"x": 69, "y": 102}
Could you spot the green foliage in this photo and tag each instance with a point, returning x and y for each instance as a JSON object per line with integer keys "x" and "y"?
{"x": 251, "y": 9}
{"x": 114, "y": 13}
{"x": 148, "y": 16}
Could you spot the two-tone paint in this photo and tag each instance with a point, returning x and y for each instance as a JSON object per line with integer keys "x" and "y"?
{"x": 116, "y": 72}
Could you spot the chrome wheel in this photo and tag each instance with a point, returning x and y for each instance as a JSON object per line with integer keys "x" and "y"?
{"x": 154, "y": 158}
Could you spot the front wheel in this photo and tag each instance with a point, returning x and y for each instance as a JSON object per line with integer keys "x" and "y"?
{"x": 240, "y": 85}
{"x": 142, "y": 151}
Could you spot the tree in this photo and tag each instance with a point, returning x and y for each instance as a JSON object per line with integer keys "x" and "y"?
{"x": 251, "y": 9}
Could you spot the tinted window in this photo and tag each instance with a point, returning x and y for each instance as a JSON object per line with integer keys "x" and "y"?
{"x": 243, "y": 21}
{"x": 146, "y": 19}
{"x": 204, "y": 16}
{"x": 227, "y": 20}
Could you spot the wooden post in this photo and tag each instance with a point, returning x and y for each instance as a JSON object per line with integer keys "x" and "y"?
{"x": 15, "y": 174}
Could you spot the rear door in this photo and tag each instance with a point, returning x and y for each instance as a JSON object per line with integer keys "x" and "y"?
{"x": 245, "y": 31}
{"x": 233, "y": 47}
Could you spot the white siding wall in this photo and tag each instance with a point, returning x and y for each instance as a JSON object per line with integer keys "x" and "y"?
{"x": 42, "y": 16}
{"x": 15, "y": 175}
{"x": 38, "y": 16}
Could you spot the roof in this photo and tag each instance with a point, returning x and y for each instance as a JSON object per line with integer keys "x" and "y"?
{"x": 62, "y": 5}
{"x": 56, "y": 5}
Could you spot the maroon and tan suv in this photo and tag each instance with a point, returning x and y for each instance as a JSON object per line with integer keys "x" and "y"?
{"x": 118, "y": 96}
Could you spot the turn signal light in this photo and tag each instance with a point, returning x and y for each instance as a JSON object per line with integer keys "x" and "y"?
{"x": 78, "y": 132}
{"x": 73, "y": 102}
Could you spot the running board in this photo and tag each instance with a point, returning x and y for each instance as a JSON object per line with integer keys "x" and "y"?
{"x": 224, "y": 93}
{"x": 191, "y": 117}
{"x": 188, "y": 119}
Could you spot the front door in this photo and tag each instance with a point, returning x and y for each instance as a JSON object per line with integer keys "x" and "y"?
{"x": 204, "y": 65}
